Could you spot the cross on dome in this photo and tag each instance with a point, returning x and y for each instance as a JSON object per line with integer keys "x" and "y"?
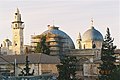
{"x": 92, "y": 23}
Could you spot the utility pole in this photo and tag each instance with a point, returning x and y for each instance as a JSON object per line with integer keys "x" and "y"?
{"x": 15, "y": 68}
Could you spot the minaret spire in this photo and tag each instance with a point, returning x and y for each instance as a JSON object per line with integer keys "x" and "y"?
{"x": 17, "y": 15}
{"x": 79, "y": 39}
{"x": 17, "y": 10}
{"x": 79, "y": 36}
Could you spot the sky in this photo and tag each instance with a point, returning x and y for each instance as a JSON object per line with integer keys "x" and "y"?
{"x": 71, "y": 16}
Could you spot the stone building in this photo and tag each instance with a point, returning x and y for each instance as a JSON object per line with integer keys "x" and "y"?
{"x": 88, "y": 51}
{"x": 6, "y": 47}
{"x": 58, "y": 41}
{"x": 91, "y": 38}
{"x": 11, "y": 65}
{"x": 17, "y": 44}
{"x": 17, "y": 29}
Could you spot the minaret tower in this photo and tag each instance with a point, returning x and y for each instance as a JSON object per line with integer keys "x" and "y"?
{"x": 79, "y": 39}
{"x": 17, "y": 30}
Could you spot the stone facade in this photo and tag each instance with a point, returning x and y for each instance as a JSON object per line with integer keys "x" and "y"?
{"x": 88, "y": 51}
{"x": 40, "y": 63}
{"x": 89, "y": 59}
{"x": 17, "y": 29}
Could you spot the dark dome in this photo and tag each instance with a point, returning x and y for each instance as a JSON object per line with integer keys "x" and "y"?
{"x": 92, "y": 34}
{"x": 55, "y": 30}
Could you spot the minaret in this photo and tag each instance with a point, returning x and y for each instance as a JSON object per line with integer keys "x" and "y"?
{"x": 17, "y": 30}
{"x": 79, "y": 39}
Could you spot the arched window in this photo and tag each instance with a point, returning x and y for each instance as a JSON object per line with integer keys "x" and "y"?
{"x": 93, "y": 46}
{"x": 15, "y": 25}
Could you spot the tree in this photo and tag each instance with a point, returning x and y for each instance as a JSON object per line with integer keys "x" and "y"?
{"x": 26, "y": 70}
{"x": 42, "y": 46}
{"x": 67, "y": 68}
{"x": 107, "y": 67}
{"x": 116, "y": 73}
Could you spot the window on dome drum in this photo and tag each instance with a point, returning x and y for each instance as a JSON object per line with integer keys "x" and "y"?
{"x": 15, "y": 13}
{"x": 93, "y": 46}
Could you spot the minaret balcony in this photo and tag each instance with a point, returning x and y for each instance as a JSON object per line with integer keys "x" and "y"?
{"x": 17, "y": 22}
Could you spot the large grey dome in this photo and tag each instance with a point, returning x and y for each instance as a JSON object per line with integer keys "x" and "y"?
{"x": 92, "y": 34}
{"x": 66, "y": 39}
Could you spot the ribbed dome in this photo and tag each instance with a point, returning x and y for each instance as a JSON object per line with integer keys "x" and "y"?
{"x": 55, "y": 30}
{"x": 92, "y": 34}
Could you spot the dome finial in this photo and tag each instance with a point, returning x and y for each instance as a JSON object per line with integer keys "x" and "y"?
{"x": 92, "y": 22}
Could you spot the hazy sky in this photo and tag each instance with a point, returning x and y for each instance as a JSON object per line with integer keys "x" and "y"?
{"x": 72, "y": 16}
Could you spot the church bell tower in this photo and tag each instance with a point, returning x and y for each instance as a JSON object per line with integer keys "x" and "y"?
{"x": 17, "y": 30}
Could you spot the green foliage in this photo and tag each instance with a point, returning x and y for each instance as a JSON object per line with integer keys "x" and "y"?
{"x": 108, "y": 58}
{"x": 26, "y": 70}
{"x": 116, "y": 74}
{"x": 42, "y": 46}
{"x": 67, "y": 68}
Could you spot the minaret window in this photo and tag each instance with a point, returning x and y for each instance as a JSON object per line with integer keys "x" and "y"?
{"x": 15, "y": 25}
{"x": 84, "y": 46}
{"x": 15, "y": 44}
{"x": 15, "y": 13}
